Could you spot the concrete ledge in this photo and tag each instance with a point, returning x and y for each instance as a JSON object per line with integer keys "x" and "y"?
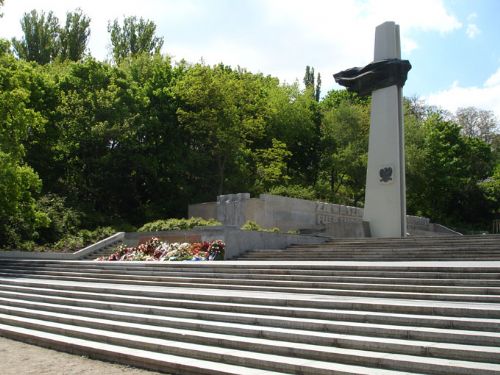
{"x": 63, "y": 256}
{"x": 99, "y": 245}
{"x": 18, "y": 254}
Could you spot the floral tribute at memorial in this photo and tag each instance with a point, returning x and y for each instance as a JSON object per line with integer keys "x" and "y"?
{"x": 157, "y": 250}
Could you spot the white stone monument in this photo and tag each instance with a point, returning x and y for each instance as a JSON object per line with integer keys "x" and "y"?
{"x": 385, "y": 196}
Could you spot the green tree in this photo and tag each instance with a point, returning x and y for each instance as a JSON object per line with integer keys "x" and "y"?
{"x": 136, "y": 36}
{"x": 20, "y": 217}
{"x": 74, "y": 37}
{"x": 40, "y": 41}
{"x": 309, "y": 77}
{"x": 41, "y": 144}
{"x": 477, "y": 123}
{"x": 317, "y": 90}
{"x": 309, "y": 82}
{"x": 444, "y": 172}
{"x": 64, "y": 221}
{"x": 97, "y": 119}
{"x": 4, "y": 46}
{"x": 495, "y": 147}
{"x": 223, "y": 111}
{"x": 344, "y": 146}
{"x": 160, "y": 158}
{"x": 271, "y": 166}
{"x": 294, "y": 121}
{"x": 121, "y": 154}
{"x": 208, "y": 112}
{"x": 491, "y": 189}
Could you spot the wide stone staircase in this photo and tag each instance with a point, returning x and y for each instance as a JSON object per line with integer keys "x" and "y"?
{"x": 481, "y": 247}
{"x": 254, "y": 317}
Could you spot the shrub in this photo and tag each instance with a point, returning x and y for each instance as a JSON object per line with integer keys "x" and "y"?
{"x": 63, "y": 220}
{"x": 252, "y": 225}
{"x": 294, "y": 191}
{"x": 177, "y": 224}
{"x": 84, "y": 237}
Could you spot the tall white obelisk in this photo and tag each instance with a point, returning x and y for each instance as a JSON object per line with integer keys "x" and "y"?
{"x": 385, "y": 196}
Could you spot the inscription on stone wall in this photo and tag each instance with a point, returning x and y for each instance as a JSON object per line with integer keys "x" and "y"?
{"x": 327, "y": 213}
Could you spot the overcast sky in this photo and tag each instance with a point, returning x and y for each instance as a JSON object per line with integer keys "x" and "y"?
{"x": 452, "y": 44}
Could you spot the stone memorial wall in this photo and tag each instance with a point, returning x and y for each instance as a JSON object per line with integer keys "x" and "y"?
{"x": 270, "y": 211}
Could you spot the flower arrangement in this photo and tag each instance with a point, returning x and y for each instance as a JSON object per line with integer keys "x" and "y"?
{"x": 156, "y": 250}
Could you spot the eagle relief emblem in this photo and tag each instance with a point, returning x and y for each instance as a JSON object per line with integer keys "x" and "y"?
{"x": 385, "y": 175}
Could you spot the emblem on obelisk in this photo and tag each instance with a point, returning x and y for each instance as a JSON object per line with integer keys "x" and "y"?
{"x": 385, "y": 174}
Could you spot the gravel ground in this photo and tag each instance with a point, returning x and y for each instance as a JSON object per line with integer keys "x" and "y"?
{"x": 17, "y": 358}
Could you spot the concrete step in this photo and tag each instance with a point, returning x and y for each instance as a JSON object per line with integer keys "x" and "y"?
{"x": 329, "y": 253}
{"x": 395, "y": 252}
{"x": 371, "y": 259}
{"x": 402, "y": 247}
{"x": 485, "y": 248}
{"x": 230, "y": 265}
{"x": 483, "y": 279}
{"x": 140, "y": 276}
{"x": 252, "y": 325}
{"x": 447, "y": 248}
{"x": 150, "y": 360}
{"x": 419, "y": 240}
{"x": 155, "y": 295}
{"x": 219, "y": 311}
{"x": 380, "y": 285}
{"x": 358, "y": 251}
{"x": 347, "y": 258}
{"x": 490, "y": 295}
{"x": 272, "y": 341}
{"x": 353, "y": 255}
{"x": 288, "y": 357}
{"x": 268, "y": 362}
{"x": 273, "y": 267}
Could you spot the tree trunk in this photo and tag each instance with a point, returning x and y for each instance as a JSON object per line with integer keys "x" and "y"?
{"x": 221, "y": 165}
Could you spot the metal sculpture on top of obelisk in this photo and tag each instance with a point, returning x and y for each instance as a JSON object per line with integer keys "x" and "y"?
{"x": 385, "y": 195}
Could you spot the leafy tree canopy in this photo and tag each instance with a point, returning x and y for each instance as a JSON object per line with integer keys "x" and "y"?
{"x": 134, "y": 37}
{"x": 19, "y": 184}
{"x": 40, "y": 42}
{"x": 74, "y": 36}
{"x": 44, "y": 40}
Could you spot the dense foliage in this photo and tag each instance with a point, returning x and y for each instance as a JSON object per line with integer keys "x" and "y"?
{"x": 177, "y": 224}
{"x": 45, "y": 40}
{"x": 136, "y": 36}
{"x": 87, "y": 143}
{"x": 252, "y": 225}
